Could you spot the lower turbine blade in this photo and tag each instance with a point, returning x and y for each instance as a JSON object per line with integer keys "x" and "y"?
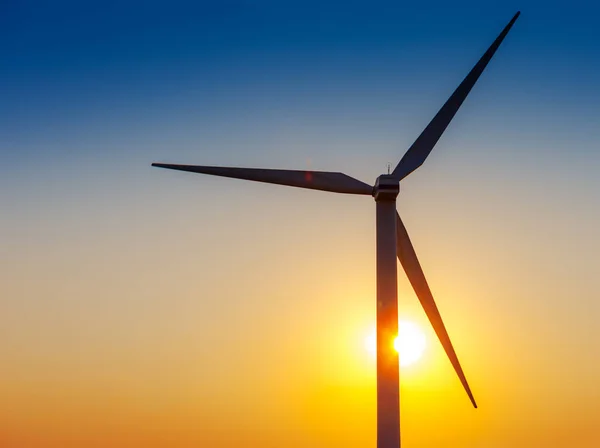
{"x": 314, "y": 180}
{"x": 412, "y": 267}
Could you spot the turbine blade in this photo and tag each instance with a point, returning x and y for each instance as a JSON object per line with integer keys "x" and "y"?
{"x": 420, "y": 149}
{"x": 412, "y": 267}
{"x": 315, "y": 180}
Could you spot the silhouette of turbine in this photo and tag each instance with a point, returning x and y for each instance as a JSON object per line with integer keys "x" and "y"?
{"x": 392, "y": 241}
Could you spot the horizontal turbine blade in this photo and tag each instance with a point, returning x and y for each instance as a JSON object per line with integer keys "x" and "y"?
{"x": 412, "y": 267}
{"x": 315, "y": 180}
{"x": 420, "y": 149}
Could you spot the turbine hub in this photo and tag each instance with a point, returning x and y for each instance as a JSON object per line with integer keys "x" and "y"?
{"x": 386, "y": 188}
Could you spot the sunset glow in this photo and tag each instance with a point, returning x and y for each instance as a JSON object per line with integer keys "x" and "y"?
{"x": 410, "y": 343}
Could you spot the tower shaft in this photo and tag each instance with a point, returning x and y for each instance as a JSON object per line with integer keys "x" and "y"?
{"x": 388, "y": 375}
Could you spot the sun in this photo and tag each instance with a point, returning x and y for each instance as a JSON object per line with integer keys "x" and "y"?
{"x": 410, "y": 343}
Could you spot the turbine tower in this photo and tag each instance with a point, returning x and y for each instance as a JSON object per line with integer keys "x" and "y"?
{"x": 392, "y": 241}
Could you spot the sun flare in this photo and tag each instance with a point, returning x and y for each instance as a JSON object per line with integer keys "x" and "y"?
{"x": 410, "y": 343}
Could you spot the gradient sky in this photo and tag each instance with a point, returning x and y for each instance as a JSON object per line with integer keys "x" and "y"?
{"x": 146, "y": 308}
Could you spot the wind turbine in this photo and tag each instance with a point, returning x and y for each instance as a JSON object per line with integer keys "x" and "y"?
{"x": 392, "y": 241}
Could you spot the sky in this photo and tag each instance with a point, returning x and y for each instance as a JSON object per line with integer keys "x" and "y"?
{"x": 146, "y": 308}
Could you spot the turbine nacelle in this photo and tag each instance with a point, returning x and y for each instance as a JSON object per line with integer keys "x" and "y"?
{"x": 386, "y": 188}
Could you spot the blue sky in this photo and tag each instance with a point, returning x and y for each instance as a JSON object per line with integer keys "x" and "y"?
{"x": 285, "y": 84}
{"x": 107, "y": 74}
{"x": 97, "y": 65}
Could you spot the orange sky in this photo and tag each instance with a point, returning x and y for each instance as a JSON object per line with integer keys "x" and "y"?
{"x": 213, "y": 326}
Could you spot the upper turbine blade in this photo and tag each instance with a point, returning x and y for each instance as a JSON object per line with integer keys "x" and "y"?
{"x": 412, "y": 267}
{"x": 420, "y": 149}
{"x": 315, "y": 180}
